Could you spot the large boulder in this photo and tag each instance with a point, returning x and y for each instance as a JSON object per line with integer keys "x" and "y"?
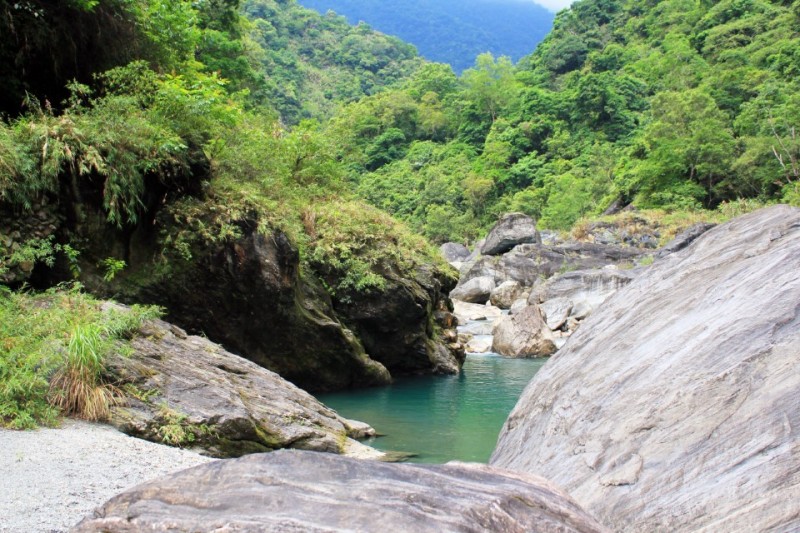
{"x": 524, "y": 334}
{"x": 304, "y": 491}
{"x": 512, "y": 229}
{"x": 187, "y": 391}
{"x": 476, "y": 290}
{"x": 675, "y": 406}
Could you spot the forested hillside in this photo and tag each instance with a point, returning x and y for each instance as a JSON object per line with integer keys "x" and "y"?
{"x": 452, "y": 31}
{"x": 665, "y": 104}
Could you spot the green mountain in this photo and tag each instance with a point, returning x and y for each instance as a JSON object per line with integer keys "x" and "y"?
{"x": 451, "y": 31}
{"x": 670, "y": 105}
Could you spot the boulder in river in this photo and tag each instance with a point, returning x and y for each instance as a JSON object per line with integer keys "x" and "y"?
{"x": 506, "y": 293}
{"x": 512, "y": 229}
{"x": 303, "y": 491}
{"x": 187, "y": 391}
{"x": 675, "y": 406}
{"x": 524, "y": 334}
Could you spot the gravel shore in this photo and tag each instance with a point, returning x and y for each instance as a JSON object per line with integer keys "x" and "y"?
{"x": 51, "y": 478}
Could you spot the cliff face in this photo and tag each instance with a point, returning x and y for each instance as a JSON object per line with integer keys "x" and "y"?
{"x": 675, "y": 406}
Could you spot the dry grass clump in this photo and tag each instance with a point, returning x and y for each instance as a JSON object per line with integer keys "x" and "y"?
{"x": 78, "y": 388}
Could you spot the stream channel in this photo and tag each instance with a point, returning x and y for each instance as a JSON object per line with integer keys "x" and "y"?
{"x": 441, "y": 418}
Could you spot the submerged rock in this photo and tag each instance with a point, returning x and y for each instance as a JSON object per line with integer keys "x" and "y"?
{"x": 303, "y": 491}
{"x": 512, "y": 229}
{"x": 674, "y": 407}
{"x": 187, "y": 391}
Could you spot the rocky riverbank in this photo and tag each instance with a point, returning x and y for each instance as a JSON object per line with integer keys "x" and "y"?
{"x": 52, "y": 478}
{"x": 548, "y": 286}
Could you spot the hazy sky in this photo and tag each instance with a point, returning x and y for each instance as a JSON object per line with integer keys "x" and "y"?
{"x": 554, "y": 5}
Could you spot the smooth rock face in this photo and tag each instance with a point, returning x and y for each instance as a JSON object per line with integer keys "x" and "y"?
{"x": 524, "y": 334}
{"x": 476, "y": 290}
{"x": 512, "y": 229}
{"x": 219, "y": 402}
{"x": 675, "y": 406}
{"x": 310, "y": 492}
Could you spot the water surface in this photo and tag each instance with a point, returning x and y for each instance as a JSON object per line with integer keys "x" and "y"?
{"x": 441, "y": 418}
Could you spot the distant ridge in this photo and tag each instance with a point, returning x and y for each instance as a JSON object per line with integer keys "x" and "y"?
{"x": 451, "y": 31}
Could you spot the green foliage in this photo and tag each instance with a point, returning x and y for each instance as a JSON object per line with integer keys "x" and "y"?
{"x": 355, "y": 247}
{"x": 53, "y": 348}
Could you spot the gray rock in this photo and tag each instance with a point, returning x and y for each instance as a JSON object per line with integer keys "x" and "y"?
{"x": 518, "y": 306}
{"x": 453, "y": 251}
{"x": 187, "y": 391}
{"x": 302, "y": 491}
{"x": 505, "y": 294}
{"x": 482, "y": 267}
{"x": 556, "y": 312}
{"x": 675, "y": 406}
{"x": 524, "y": 334}
{"x": 512, "y": 229}
{"x": 476, "y": 290}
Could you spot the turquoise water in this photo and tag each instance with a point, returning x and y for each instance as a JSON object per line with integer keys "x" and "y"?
{"x": 441, "y": 418}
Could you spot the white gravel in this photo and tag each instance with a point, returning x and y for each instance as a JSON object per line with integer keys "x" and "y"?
{"x": 51, "y": 478}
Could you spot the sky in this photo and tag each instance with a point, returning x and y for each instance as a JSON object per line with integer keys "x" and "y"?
{"x": 551, "y": 5}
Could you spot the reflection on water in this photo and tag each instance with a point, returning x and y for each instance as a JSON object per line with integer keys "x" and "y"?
{"x": 442, "y": 418}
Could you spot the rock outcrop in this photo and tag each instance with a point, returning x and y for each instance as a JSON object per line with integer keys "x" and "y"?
{"x": 512, "y": 229}
{"x": 396, "y": 325}
{"x": 524, "y": 334}
{"x": 675, "y": 406}
{"x": 187, "y": 391}
{"x": 303, "y": 491}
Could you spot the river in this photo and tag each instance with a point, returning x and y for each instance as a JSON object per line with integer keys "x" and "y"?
{"x": 441, "y": 418}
